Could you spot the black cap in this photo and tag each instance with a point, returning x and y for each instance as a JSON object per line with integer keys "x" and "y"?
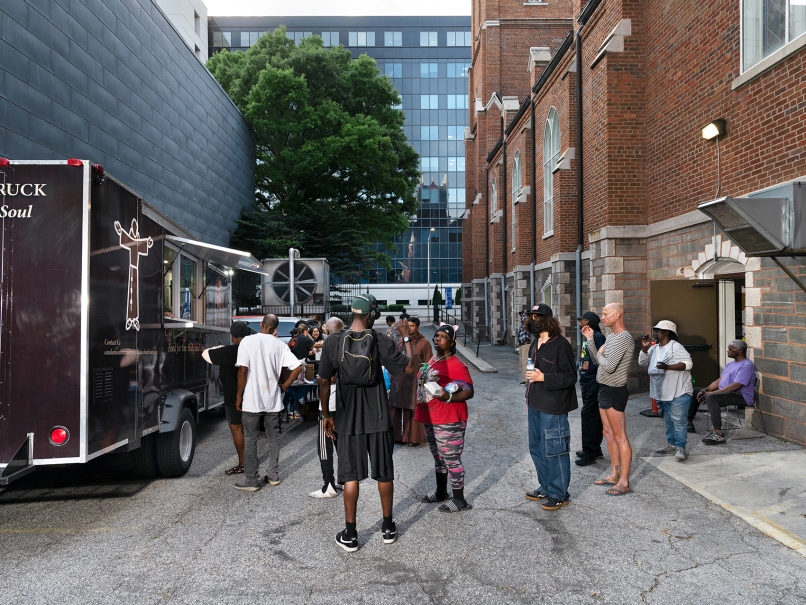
{"x": 591, "y": 317}
{"x": 448, "y": 329}
{"x": 541, "y": 309}
{"x": 239, "y": 329}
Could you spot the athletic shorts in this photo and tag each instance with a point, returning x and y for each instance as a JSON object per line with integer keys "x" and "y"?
{"x": 232, "y": 414}
{"x": 353, "y": 451}
{"x": 613, "y": 397}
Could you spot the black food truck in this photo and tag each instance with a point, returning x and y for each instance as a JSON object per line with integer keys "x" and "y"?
{"x": 105, "y": 307}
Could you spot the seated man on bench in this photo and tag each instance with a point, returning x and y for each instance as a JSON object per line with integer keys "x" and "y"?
{"x": 736, "y": 386}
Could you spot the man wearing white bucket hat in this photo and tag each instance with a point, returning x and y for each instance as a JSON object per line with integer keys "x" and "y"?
{"x": 669, "y": 383}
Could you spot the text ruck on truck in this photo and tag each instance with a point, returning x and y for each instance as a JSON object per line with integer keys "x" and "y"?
{"x": 105, "y": 307}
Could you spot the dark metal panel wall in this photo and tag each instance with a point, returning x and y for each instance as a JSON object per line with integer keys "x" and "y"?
{"x": 111, "y": 81}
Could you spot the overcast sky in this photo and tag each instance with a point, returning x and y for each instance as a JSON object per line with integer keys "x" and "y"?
{"x": 336, "y": 8}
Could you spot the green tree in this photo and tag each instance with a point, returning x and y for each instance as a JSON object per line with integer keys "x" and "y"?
{"x": 437, "y": 299}
{"x": 334, "y": 171}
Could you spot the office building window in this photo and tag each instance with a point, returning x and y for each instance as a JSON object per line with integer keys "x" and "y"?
{"x": 767, "y": 25}
{"x": 458, "y": 70}
{"x": 459, "y": 39}
{"x": 249, "y": 38}
{"x": 457, "y": 101}
{"x": 456, "y": 164}
{"x": 330, "y": 38}
{"x": 297, "y": 37}
{"x": 429, "y": 70}
{"x": 456, "y": 133}
{"x": 428, "y": 38}
{"x": 551, "y": 152}
{"x": 361, "y": 39}
{"x": 393, "y": 38}
{"x": 393, "y": 70}
{"x": 222, "y": 39}
{"x": 429, "y": 101}
{"x": 429, "y": 133}
{"x": 429, "y": 164}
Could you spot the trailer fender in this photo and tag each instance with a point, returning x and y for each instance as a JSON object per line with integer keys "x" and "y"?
{"x": 175, "y": 402}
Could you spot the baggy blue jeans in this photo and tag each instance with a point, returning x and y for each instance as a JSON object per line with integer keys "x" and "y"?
{"x": 549, "y": 445}
{"x": 675, "y": 415}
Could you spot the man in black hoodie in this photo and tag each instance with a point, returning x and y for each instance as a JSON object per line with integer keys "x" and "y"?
{"x": 550, "y": 395}
{"x": 590, "y": 416}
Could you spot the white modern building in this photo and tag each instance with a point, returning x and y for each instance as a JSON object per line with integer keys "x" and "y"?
{"x": 189, "y": 17}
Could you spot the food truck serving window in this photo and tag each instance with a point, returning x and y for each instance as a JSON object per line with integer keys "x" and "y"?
{"x": 187, "y": 289}
{"x": 169, "y": 256}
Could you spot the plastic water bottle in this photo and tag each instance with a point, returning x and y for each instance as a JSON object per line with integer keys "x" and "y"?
{"x": 530, "y": 365}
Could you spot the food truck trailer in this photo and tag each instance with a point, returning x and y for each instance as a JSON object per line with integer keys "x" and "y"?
{"x": 105, "y": 307}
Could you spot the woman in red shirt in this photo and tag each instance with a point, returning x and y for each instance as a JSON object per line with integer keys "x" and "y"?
{"x": 445, "y": 419}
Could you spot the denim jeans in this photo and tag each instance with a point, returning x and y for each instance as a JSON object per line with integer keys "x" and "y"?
{"x": 549, "y": 445}
{"x": 675, "y": 415}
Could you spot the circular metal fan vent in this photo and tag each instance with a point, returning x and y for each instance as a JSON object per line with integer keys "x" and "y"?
{"x": 304, "y": 282}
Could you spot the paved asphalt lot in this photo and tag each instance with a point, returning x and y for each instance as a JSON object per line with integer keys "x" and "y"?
{"x": 98, "y": 535}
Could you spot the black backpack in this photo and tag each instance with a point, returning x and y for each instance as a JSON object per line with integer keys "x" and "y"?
{"x": 358, "y": 365}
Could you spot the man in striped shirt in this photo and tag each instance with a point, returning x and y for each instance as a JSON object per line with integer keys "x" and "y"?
{"x": 614, "y": 359}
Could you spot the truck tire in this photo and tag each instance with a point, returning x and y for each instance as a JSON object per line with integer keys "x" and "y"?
{"x": 144, "y": 458}
{"x": 175, "y": 450}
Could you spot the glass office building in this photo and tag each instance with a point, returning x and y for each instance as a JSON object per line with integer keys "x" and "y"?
{"x": 427, "y": 59}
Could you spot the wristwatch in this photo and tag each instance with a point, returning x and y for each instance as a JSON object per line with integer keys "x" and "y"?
{"x": 323, "y": 417}
{"x": 407, "y": 339}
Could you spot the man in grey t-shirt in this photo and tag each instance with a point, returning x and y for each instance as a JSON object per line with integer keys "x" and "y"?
{"x": 614, "y": 359}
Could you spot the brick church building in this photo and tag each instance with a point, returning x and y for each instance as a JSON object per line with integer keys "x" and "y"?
{"x": 650, "y": 75}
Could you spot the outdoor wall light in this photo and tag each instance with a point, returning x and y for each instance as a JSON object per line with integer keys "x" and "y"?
{"x": 714, "y": 129}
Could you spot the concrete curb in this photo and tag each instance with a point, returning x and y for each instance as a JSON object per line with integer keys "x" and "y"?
{"x": 481, "y": 365}
{"x": 757, "y": 503}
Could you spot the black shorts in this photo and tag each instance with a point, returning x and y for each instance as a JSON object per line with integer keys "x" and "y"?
{"x": 232, "y": 414}
{"x": 353, "y": 451}
{"x": 613, "y": 397}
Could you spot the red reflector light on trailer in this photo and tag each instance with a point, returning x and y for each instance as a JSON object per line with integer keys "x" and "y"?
{"x": 74, "y": 162}
{"x": 59, "y": 435}
{"x": 4, "y": 162}
{"x": 98, "y": 168}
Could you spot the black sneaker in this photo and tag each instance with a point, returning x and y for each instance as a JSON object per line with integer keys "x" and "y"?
{"x": 713, "y": 438}
{"x": 348, "y": 544}
{"x": 553, "y": 504}
{"x": 585, "y": 461}
{"x": 535, "y": 495}
{"x": 582, "y": 454}
{"x": 690, "y": 427}
{"x": 390, "y": 535}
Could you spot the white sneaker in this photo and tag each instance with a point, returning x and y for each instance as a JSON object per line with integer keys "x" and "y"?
{"x": 328, "y": 493}
{"x": 669, "y": 449}
{"x": 680, "y": 454}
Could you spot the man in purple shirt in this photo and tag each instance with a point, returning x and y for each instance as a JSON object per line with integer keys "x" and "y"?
{"x": 736, "y": 386}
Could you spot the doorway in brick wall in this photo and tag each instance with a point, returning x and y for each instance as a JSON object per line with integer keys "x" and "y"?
{"x": 693, "y": 306}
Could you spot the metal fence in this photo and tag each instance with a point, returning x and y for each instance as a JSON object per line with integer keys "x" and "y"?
{"x": 467, "y": 330}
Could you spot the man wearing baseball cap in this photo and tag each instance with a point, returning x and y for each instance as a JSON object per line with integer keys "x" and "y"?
{"x": 590, "y": 415}
{"x": 362, "y": 421}
{"x": 550, "y": 395}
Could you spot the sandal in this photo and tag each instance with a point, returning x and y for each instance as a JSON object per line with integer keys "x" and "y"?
{"x": 235, "y": 470}
{"x": 604, "y": 482}
{"x": 453, "y": 507}
{"x": 434, "y": 497}
{"x": 618, "y": 492}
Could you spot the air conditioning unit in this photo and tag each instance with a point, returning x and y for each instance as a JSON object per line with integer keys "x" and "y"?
{"x": 311, "y": 281}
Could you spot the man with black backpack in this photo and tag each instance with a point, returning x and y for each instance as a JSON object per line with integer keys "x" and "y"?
{"x": 362, "y": 421}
